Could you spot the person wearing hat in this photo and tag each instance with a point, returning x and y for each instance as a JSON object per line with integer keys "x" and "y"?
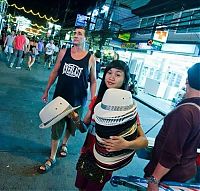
{"x": 72, "y": 70}
{"x": 175, "y": 150}
{"x": 115, "y": 77}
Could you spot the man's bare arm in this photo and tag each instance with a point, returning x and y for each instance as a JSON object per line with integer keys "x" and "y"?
{"x": 53, "y": 74}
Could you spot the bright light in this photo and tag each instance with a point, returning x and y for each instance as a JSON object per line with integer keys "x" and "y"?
{"x": 22, "y": 23}
{"x": 22, "y": 19}
{"x": 50, "y": 25}
{"x": 162, "y": 26}
{"x": 105, "y": 9}
{"x": 95, "y": 12}
{"x": 160, "y": 36}
{"x": 67, "y": 36}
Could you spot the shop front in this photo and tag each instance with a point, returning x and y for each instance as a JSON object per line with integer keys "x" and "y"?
{"x": 161, "y": 73}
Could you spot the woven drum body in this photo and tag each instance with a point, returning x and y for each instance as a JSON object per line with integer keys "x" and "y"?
{"x": 116, "y": 115}
{"x": 117, "y": 159}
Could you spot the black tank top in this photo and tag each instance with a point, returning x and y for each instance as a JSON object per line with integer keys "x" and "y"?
{"x": 73, "y": 79}
{"x": 32, "y": 49}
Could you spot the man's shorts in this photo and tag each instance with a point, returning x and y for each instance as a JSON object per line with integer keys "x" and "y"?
{"x": 8, "y": 49}
{"x": 58, "y": 128}
{"x": 48, "y": 58}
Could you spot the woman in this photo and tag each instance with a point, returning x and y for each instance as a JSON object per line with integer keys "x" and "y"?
{"x": 116, "y": 75}
{"x": 32, "y": 49}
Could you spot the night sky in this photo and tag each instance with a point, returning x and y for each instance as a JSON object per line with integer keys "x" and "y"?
{"x": 52, "y": 8}
{"x": 56, "y": 8}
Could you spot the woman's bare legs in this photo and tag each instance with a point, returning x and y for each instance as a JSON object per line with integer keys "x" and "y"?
{"x": 32, "y": 62}
{"x": 29, "y": 62}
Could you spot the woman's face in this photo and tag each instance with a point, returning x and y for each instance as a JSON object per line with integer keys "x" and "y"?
{"x": 114, "y": 78}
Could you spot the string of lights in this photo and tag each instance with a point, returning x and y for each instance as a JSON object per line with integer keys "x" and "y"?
{"x": 35, "y": 14}
{"x": 39, "y": 26}
{"x": 33, "y": 24}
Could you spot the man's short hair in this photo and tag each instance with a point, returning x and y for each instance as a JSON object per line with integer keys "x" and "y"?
{"x": 84, "y": 28}
{"x": 194, "y": 76}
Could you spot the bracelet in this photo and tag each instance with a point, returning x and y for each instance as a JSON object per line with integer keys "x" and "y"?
{"x": 153, "y": 180}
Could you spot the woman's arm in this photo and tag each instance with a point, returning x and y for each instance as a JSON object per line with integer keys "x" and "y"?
{"x": 117, "y": 143}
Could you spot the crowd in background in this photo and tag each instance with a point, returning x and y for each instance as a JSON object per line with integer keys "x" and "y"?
{"x": 22, "y": 50}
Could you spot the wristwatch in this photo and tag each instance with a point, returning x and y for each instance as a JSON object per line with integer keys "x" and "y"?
{"x": 153, "y": 180}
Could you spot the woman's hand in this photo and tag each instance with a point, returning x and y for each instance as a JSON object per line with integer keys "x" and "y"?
{"x": 115, "y": 143}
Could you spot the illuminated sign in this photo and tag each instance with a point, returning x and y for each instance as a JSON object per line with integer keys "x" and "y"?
{"x": 156, "y": 45}
{"x": 131, "y": 45}
{"x": 125, "y": 36}
{"x": 81, "y": 20}
{"x": 160, "y": 36}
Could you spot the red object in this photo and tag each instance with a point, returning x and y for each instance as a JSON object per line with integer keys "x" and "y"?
{"x": 198, "y": 160}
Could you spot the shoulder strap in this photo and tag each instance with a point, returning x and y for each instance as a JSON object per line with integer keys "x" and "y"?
{"x": 190, "y": 103}
{"x": 66, "y": 52}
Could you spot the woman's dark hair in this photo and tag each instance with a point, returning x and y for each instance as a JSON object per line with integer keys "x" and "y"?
{"x": 33, "y": 39}
{"x": 118, "y": 64}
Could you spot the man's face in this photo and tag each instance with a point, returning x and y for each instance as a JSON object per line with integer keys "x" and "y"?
{"x": 79, "y": 37}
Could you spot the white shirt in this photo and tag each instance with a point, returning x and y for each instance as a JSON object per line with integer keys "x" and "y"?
{"x": 50, "y": 49}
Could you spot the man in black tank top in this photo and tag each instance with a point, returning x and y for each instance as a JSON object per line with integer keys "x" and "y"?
{"x": 73, "y": 68}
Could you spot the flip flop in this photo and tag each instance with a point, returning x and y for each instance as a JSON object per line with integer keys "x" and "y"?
{"x": 63, "y": 150}
{"x": 49, "y": 164}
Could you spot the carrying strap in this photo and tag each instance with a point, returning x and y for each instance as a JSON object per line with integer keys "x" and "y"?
{"x": 189, "y": 103}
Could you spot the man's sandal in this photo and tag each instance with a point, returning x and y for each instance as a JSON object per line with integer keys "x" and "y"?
{"x": 49, "y": 164}
{"x": 63, "y": 150}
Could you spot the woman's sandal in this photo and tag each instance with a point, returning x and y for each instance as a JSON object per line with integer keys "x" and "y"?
{"x": 49, "y": 164}
{"x": 63, "y": 150}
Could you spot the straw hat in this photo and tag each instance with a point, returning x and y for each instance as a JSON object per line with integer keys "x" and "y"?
{"x": 117, "y": 106}
{"x": 116, "y": 115}
{"x": 54, "y": 111}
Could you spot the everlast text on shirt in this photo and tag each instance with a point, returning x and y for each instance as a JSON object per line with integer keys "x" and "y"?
{"x": 72, "y": 70}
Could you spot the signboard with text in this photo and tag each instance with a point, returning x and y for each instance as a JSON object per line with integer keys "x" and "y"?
{"x": 160, "y": 36}
{"x": 81, "y": 20}
{"x": 124, "y": 36}
{"x": 156, "y": 45}
{"x": 131, "y": 45}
